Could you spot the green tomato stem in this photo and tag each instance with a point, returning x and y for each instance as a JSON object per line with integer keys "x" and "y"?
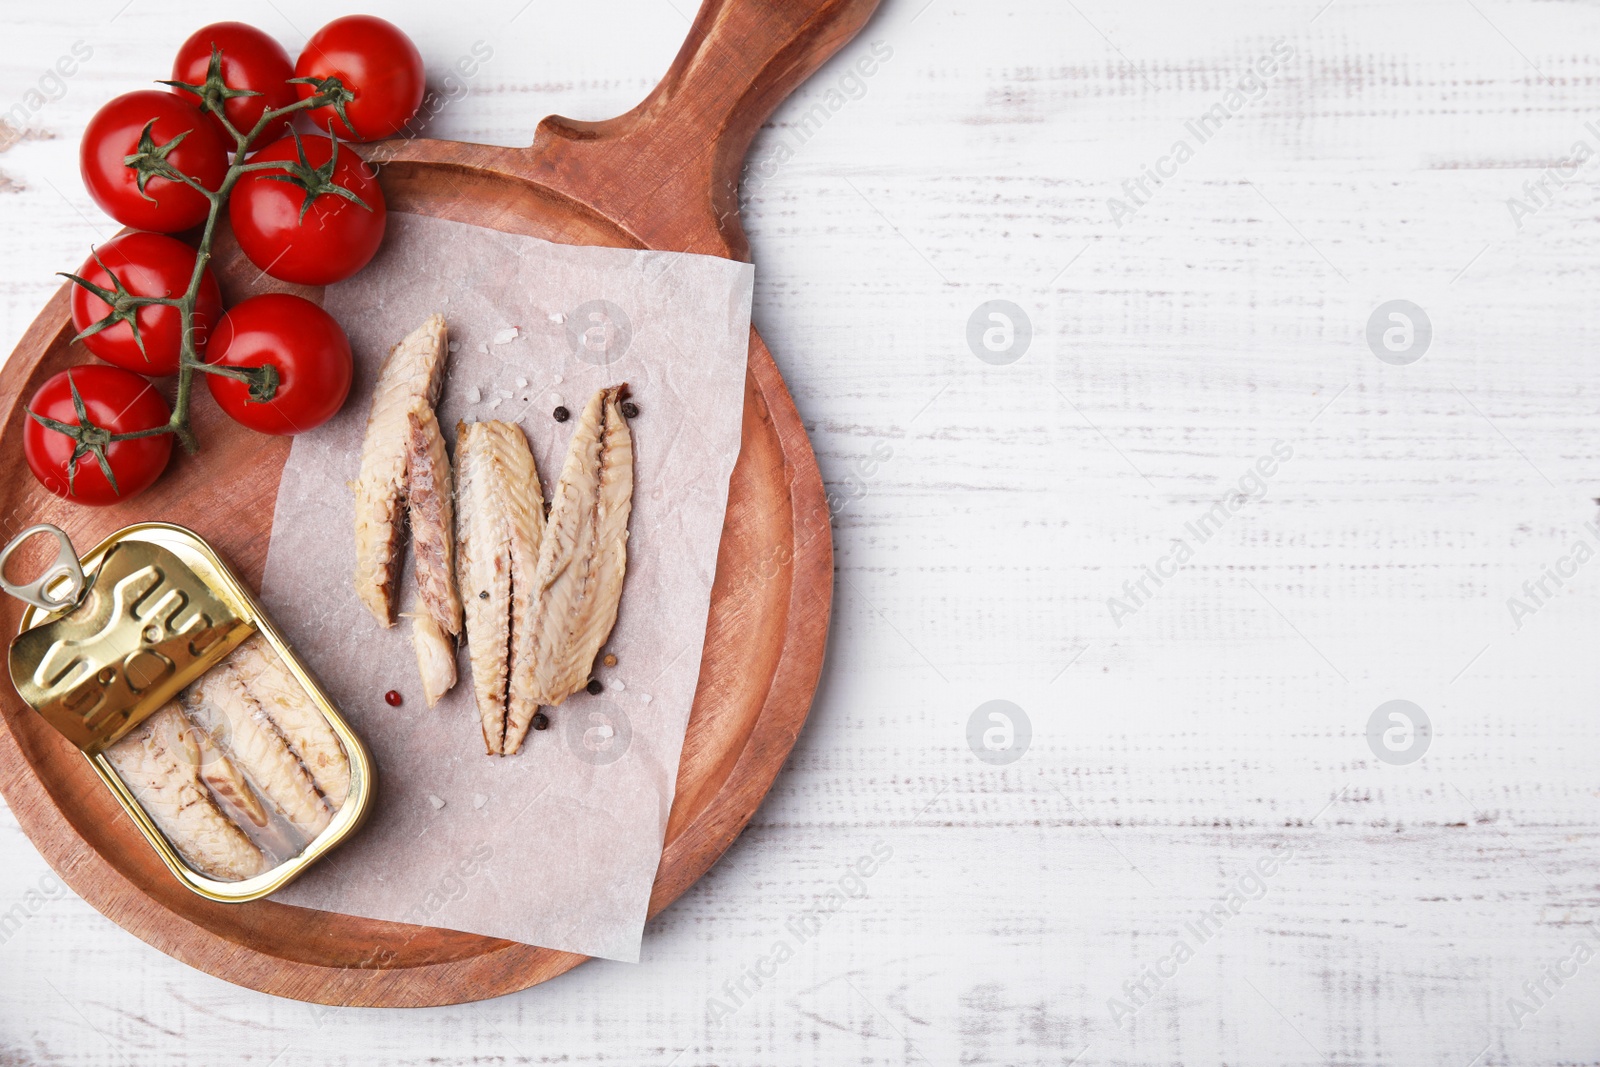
{"x": 263, "y": 380}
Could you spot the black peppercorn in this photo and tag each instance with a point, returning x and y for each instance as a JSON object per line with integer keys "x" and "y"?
{"x": 594, "y": 687}
{"x": 484, "y": 595}
{"x": 540, "y": 720}
{"x": 561, "y": 414}
{"x": 630, "y": 409}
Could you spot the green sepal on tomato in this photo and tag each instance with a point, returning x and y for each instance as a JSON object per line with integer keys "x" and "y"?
{"x": 145, "y": 339}
{"x": 133, "y": 150}
{"x": 375, "y": 63}
{"x": 239, "y": 69}
{"x": 67, "y": 438}
{"x": 305, "y": 346}
{"x": 315, "y": 222}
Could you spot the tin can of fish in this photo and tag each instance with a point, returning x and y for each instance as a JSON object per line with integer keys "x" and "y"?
{"x": 157, "y": 662}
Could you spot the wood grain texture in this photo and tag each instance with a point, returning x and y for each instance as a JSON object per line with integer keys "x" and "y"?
{"x": 766, "y": 631}
{"x": 976, "y": 562}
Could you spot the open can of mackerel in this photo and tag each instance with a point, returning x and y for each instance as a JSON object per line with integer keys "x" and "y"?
{"x": 156, "y": 661}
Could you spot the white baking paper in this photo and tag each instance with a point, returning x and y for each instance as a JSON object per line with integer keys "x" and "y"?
{"x": 558, "y": 845}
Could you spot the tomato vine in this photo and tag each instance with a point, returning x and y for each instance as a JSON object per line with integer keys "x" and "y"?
{"x": 149, "y": 160}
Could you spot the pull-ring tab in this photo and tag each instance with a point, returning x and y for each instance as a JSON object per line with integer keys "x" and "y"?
{"x": 66, "y": 566}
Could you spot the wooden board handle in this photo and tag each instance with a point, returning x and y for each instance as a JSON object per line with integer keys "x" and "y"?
{"x": 685, "y": 143}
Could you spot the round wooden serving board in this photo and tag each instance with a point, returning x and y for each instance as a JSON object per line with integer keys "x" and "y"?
{"x": 663, "y": 176}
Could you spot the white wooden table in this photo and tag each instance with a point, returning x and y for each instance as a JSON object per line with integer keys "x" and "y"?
{"x": 1437, "y": 911}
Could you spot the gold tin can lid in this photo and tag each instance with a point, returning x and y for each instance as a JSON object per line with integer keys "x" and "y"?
{"x": 118, "y": 643}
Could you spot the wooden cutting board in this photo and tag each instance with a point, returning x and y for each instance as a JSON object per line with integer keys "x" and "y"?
{"x": 665, "y": 176}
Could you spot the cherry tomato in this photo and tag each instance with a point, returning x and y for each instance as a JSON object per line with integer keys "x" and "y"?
{"x": 116, "y": 401}
{"x": 250, "y": 61}
{"x": 302, "y": 341}
{"x": 143, "y": 264}
{"x": 118, "y": 130}
{"x": 372, "y": 59}
{"x": 319, "y": 244}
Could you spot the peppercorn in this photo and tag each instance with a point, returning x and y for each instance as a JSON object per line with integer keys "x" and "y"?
{"x": 594, "y": 687}
{"x": 484, "y": 595}
{"x": 392, "y": 698}
{"x": 541, "y": 721}
{"x": 629, "y": 409}
{"x": 561, "y": 414}
{"x": 610, "y": 660}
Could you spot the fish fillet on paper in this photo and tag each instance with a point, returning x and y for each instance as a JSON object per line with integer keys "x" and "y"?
{"x": 298, "y": 719}
{"x": 221, "y": 704}
{"x": 584, "y": 552}
{"x": 436, "y": 657}
{"x": 151, "y": 760}
{"x": 499, "y": 524}
{"x": 429, "y": 506}
{"x": 410, "y": 378}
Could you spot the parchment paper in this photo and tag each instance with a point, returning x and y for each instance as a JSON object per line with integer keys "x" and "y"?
{"x": 558, "y": 845}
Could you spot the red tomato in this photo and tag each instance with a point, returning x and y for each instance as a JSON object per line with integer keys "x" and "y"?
{"x": 117, "y": 131}
{"x": 250, "y": 61}
{"x": 375, "y": 61}
{"x": 319, "y": 244}
{"x": 143, "y": 264}
{"x": 116, "y": 401}
{"x": 304, "y": 343}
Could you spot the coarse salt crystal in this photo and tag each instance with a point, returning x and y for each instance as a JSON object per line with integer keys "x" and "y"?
{"x": 508, "y": 394}
{"x": 644, "y": 698}
{"x": 555, "y": 398}
{"x": 474, "y": 395}
{"x": 605, "y": 731}
{"x": 506, "y": 336}
{"x": 479, "y": 800}
{"x": 557, "y": 317}
{"x": 454, "y": 346}
{"x": 558, "y": 379}
{"x": 617, "y": 685}
{"x": 522, "y": 383}
{"x": 437, "y": 802}
{"x": 496, "y": 402}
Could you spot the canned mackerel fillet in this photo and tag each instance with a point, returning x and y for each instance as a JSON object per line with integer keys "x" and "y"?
{"x": 154, "y": 660}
